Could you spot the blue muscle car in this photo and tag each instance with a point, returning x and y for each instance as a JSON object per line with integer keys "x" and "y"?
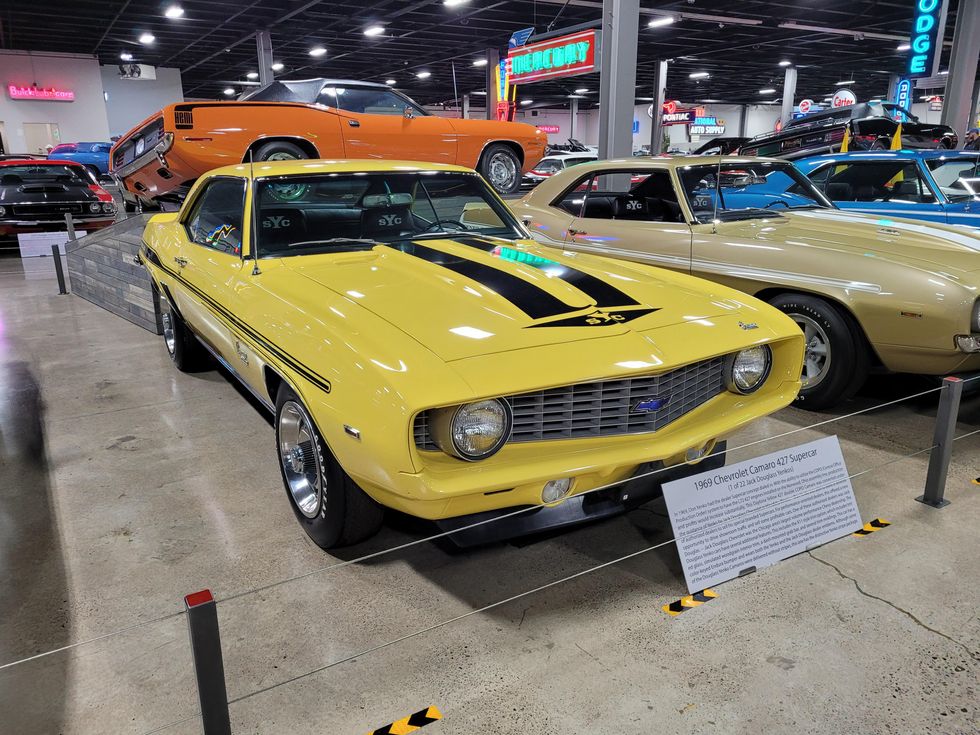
{"x": 936, "y": 186}
{"x": 94, "y": 156}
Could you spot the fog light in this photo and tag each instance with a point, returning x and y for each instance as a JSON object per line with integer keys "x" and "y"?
{"x": 555, "y": 490}
{"x": 694, "y": 453}
{"x": 968, "y": 342}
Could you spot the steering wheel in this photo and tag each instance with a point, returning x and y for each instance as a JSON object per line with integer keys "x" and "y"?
{"x": 457, "y": 224}
{"x": 777, "y": 201}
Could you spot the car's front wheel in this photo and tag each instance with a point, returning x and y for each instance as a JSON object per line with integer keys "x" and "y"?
{"x": 332, "y": 509}
{"x": 279, "y": 150}
{"x": 500, "y": 166}
{"x": 835, "y": 363}
{"x": 186, "y": 352}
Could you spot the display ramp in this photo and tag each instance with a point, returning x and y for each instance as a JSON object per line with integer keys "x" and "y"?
{"x": 102, "y": 269}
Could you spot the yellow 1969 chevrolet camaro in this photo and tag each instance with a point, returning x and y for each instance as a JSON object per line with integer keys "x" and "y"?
{"x": 421, "y": 353}
{"x": 868, "y": 292}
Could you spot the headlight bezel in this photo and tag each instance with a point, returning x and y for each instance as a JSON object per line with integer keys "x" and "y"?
{"x": 3, "y": 211}
{"x": 444, "y": 422}
{"x": 729, "y": 370}
{"x": 975, "y": 317}
{"x": 95, "y": 207}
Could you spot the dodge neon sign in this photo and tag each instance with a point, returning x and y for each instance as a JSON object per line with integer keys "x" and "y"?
{"x": 17, "y": 92}
{"x": 928, "y": 24}
{"x": 564, "y": 56}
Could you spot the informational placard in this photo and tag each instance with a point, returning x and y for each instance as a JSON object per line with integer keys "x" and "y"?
{"x": 37, "y": 244}
{"x": 758, "y": 512}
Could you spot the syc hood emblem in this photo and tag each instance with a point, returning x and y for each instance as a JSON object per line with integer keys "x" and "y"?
{"x": 651, "y": 405}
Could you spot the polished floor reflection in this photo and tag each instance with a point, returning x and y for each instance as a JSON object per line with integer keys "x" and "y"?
{"x": 125, "y": 485}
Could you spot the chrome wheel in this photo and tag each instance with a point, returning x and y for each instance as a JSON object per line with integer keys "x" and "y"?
{"x": 300, "y": 459}
{"x": 169, "y": 338}
{"x": 502, "y": 171}
{"x": 816, "y": 359}
{"x": 281, "y": 156}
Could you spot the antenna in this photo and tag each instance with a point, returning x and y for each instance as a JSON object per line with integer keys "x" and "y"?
{"x": 253, "y": 225}
{"x": 714, "y": 214}
{"x": 455, "y": 93}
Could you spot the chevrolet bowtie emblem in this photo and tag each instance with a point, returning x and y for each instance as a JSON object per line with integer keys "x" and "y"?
{"x": 651, "y": 405}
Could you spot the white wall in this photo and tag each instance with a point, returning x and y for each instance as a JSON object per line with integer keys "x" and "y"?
{"x": 83, "y": 119}
{"x": 130, "y": 101}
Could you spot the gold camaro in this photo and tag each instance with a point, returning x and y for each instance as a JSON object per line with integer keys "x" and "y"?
{"x": 421, "y": 353}
{"x": 869, "y": 293}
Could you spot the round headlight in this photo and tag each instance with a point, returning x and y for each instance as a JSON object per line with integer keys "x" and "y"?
{"x": 747, "y": 370}
{"x": 473, "y": 431}
{"x": 108, "y": 207}
{"x": 3, "y": 211}
{"x": 95, "y": 207}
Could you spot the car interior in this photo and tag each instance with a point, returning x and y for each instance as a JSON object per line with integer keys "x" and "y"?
{"x": 622, "y": 195}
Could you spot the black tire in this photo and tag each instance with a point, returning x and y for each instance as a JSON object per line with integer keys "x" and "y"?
{"x": 501, "y": 167}
{"x": 843, "y": 365}
{"x": 188, "y": 355}
{"x": 129, "y": 206}
{"x": 341, "y": 513}
{"x": 278, "y": 149}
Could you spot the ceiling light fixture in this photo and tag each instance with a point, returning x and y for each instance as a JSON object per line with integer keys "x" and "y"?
{"x": 126, "y": 56}
{"x": 526, "y": 102}
{"x": 277, "y": 66}
{"x": 944, "y": 72}
{"x": 903, "y": 47}
{"x": 767, "y": 90}
{"x": 391, "y": 82}
{"x": 454, "y": 3}
{"x": 710, "y": 100}
{"x": 147, "y": 38}
{"x": 374, "y": 30}
{"x": 480, "y": 62}
{"x": 480, "y": 93}
{"x": 845, "y": 81}
{"x": 424, "y": 74}
{"x": 174, "y": 11}
{"x": 699, "y": 75}
{"x": 252, "y": 75}
{"x": 317, "y": 51}
{"x": 582, "y": 90}
{"x": 663, "y": 20}
{"x": 785, "y": 62}
{"x": 229, "y": 91}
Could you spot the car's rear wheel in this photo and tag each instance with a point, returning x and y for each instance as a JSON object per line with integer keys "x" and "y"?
{"x": 500, "y": 166}
{"x": 332, "y": 509}
{"x": 186, "y": 352}
{"x": 835, "y": 363}
{"x": 279, "y": 150}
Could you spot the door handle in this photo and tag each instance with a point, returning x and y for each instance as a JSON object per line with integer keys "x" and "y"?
{"x": 354, "y": 123}
{"x": 572, "y": 231}
{"x": 180, "y": 261}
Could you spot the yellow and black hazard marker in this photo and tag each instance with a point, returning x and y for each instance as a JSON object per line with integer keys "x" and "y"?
{"x": 410, "y": 723}
{"x": 688, "y": 601}
{"x": 876, "y": 525}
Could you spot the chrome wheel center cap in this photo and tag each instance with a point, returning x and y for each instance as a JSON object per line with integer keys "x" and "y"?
{"x": 295, "y": 459}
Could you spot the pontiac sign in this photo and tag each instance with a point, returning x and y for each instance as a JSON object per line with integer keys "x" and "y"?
{"x": 564, "y": 56}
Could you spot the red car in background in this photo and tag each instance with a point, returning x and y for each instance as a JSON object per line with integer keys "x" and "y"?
{"x": 36, "y": 195}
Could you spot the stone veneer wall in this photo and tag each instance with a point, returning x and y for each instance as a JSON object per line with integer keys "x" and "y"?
{"x": 101, "y": 269}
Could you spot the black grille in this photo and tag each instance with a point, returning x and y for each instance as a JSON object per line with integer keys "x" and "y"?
{"x": 48, "y": 210}
{"x": 604, "y": 408}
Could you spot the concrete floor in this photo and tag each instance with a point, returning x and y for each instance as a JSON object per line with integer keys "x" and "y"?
{"x": 125, "y": 485}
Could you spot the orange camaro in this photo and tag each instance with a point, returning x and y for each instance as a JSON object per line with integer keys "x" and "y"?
{"x": 314, "y": 118}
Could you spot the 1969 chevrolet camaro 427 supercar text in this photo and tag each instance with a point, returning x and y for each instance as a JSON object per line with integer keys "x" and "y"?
{"x": 421, "y": 353}
{"x": 869, "y": 293}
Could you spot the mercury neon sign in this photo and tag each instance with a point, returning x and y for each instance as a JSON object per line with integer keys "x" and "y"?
{"x": 565, "y": 56}
{"x": 928, "y": 25}
{"x": 50, "y": 94}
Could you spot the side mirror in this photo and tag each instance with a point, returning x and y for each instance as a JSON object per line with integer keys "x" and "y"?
{"x": 526, "y": 219}
{"x": 409, "y": 113}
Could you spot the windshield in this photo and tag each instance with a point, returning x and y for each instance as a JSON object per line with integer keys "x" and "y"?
{"x": 43, "y": 174}
{"x": 548, "y": 166}
{"x": 297, "y": 215}
{"x": 756, "y": 189}
{"x": 952, "y": 176}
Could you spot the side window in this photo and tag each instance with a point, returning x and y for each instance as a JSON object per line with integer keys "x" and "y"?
{"x": 367, "y": 101}
{"x": 215, "y": 219}
{"x": 643, "y": 196}
{"x": 882, "y": 181}
{"x": 573, "y": 199}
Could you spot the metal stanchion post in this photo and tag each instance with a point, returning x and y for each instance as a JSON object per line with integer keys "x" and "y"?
{"x": 58, "y": 270}
{"x": 942, "y": 443}
{"x": 202, "y": 620}
{"x": 71, "y": 228}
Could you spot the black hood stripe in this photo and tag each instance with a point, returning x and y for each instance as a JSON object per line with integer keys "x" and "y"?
{"x": 604, "y": 294}
{"x": 532, "y": 300}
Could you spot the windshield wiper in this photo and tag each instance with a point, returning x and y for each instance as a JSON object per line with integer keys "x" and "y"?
{"x": 333, "y": 241}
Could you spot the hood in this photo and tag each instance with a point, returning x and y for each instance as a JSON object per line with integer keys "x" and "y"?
{"x": 45, "y": 193}
{"x": 936, "y": 247}
{"x": 469, "y": 296}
